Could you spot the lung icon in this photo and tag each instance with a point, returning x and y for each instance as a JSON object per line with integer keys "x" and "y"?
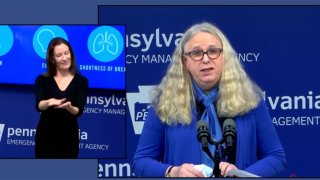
{"x": 105, "y": 43}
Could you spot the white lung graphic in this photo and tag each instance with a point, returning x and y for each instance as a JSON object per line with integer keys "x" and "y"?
{"x": 106, "y": 42}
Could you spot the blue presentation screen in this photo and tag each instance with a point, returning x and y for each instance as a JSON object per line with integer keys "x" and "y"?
{"x": 99, "y": 51}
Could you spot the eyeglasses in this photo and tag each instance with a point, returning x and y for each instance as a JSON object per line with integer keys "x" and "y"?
{"x": 197, "y": 55}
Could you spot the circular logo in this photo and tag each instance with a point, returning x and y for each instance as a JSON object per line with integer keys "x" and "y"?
{"x": 6, "y": 39}
{"x": 105, "y": 43}
{"x": 43, "y": 36}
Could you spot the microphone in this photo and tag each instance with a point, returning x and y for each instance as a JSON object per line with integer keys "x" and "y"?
{"x": 203, "y": 134}
{"x": 204, "y": 137}
{"x": 229, "y": 133}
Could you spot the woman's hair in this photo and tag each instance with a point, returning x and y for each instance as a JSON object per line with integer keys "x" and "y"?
{"x": 173, "y": 98}
{"x": 51, "y": 68}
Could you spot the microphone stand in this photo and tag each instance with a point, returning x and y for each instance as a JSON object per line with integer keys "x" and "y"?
{"x": 216, "y": 170}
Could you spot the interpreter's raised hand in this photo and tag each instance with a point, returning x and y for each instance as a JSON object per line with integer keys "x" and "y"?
{"x": 185, "y": 170}
{"x": 225, "y": 167}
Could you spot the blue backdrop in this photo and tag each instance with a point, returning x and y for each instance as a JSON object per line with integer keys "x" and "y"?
{"x": 278, "y": 46}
